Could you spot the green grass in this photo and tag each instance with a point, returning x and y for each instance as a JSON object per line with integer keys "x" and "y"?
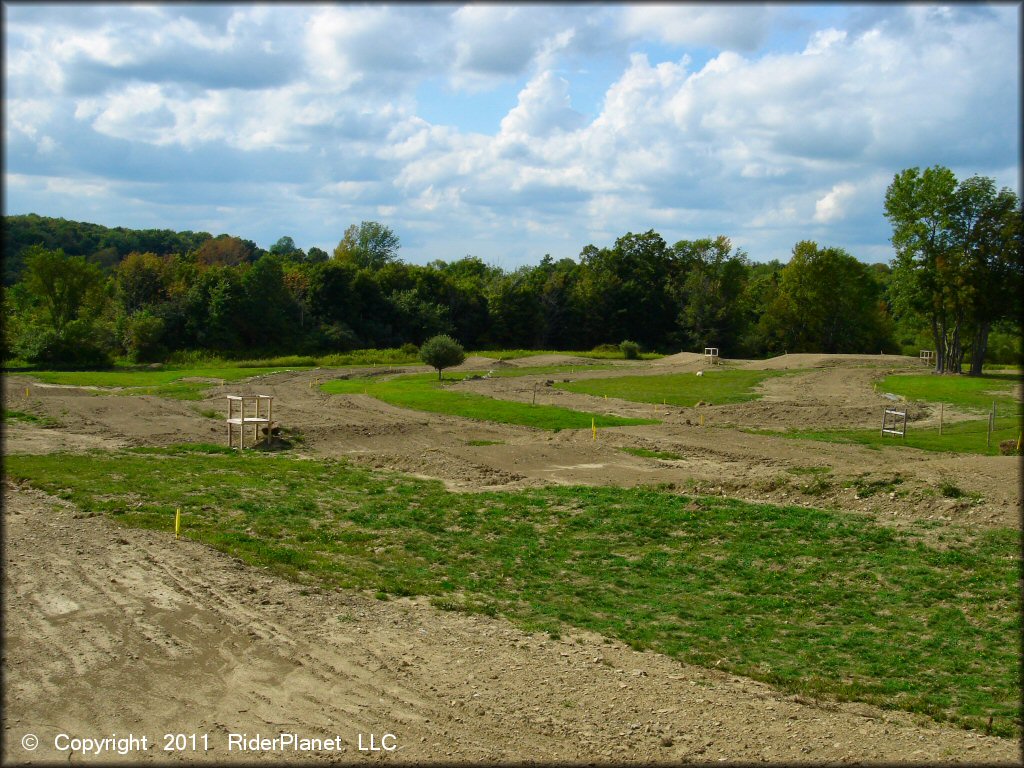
{"x": 423, "y": 392}
{"x": 817, "y": 602}
{"x": 647, "y": 453}
{"x": 965, "y": 392}
{"x": 681, "y": 389}
{"x": 13, "y": 417}
{"x": 958, "y": 437}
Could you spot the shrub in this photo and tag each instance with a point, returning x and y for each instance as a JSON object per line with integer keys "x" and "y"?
{"x": 410, "y": 349}
{"x": 143, "y": 337}
{"x": 630, "y": 350}
{"x": 442, "y": 352}
{"x": 77, "y": 348}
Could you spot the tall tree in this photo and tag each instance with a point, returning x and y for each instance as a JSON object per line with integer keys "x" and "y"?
{"x": 713, "y": 278}
{"x": 957, "y": 247}
{"x": 66, "y": 286}
{"x": 827, "y": 302}
{"x": 370, "y": 245}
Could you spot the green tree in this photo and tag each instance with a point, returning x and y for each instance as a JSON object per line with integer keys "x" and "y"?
{"x": 958, "y": 258}
{"x": 370, "y": 245}
{"x": 442, "y": 352}
{"x": 827, "y": 301}
{"x": 67, "y": 287}
{"x": 140, "y": 281}
{"x": 713, "y": 281}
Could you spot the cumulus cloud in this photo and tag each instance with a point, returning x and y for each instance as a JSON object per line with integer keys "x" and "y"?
{"x": 697, "y": 121}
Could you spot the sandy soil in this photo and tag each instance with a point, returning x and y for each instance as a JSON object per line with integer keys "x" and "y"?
{"x": 112, "y": 630}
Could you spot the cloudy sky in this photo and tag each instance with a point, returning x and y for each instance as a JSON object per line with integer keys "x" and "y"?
{"x": 504, "y": 132}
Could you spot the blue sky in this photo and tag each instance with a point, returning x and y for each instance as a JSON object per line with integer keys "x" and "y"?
{"x": 500, "y": 131}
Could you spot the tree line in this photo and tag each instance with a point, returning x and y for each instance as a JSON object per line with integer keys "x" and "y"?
{"x": 80, "y": 294}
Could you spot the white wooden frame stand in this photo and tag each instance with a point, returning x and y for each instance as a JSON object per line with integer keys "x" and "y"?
{"x": 927, "y": 356}
{"x": 711, "y": 355}
{"x": 252, "y": 411}
{"x": 894, "y": 423}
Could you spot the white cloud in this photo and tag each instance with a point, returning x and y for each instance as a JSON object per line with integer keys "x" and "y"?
{"x": 833, "y": 205}
{"x": 766, "y": 145}
{"x": 721, "y": 26}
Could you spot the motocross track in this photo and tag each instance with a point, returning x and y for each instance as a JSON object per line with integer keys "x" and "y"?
{"x": 110, "y": 630}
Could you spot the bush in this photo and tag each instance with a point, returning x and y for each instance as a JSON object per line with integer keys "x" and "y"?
{"x": 143, "y": 336}
{"x": 630, "y": 350}
{"x": 442, "y": 352}
{"x": 410, "y": 349}
{"x": 606, "y": 348}
{"x": 77, "y": 348}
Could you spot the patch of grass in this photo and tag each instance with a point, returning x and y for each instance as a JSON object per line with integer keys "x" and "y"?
{"x": 815, "y": 470}
{"x": 423, "y": 392}
{"x": 816, "y": 602}
{"x": 957, "y": 437}
{"x": 650, "y": 454}
{"x": 717, "y": 387}
{"x": 969, "y": 393}
{"x": 13, "y": 417}
{"x": 868, "y": 486}
{"x": 484, "y": 442}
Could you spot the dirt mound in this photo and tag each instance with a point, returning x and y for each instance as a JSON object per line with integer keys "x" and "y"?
{"x": 533, "y": 361}
{"x": 476, "y": 362}
{"x": 681, "y": 358}
{"x": 808, "y": 360}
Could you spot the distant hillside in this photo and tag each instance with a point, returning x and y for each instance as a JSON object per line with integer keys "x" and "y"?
{"x": 103, "y": 245}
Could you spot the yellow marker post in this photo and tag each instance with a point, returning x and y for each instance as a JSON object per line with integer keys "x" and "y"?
{"x": 593, "y": 427}
{"x": 1019, "y": 436}
{"x": 702, "y": 419}
{"x": 177, "y": 521}
{"x": 26, "y": 391}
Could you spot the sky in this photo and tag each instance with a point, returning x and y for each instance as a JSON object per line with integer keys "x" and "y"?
{"x": 500, "y": 131}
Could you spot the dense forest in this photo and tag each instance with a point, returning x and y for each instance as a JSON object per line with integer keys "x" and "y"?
{"x": 79, "y": 294}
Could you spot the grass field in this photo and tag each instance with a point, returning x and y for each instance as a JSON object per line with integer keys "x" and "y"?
{"x": 423, "y": 392}
{"x": 823, "y": 603}
{"x": 680, "y": 389}
{"x": 964, "y": 392}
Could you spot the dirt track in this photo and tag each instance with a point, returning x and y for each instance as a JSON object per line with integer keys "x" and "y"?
{"x": 113, "y": 630}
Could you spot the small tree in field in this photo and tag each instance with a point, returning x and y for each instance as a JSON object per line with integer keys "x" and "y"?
{"x": 442, "y": 352}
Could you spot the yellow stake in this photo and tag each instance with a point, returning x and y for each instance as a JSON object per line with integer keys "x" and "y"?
{"x": 26, "y": 391}
{"x": 593, "y": 427}
{"x": 702, "y": 419}
{"x": 177, "y": 521}
{"x": 1019, "y": 436}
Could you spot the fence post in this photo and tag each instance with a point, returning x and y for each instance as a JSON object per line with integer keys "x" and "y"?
{"x": 941, "y": 408}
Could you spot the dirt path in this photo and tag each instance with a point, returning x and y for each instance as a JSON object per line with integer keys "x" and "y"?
{"x": 718, "y": 458}
{"x": 110, "y": 630}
